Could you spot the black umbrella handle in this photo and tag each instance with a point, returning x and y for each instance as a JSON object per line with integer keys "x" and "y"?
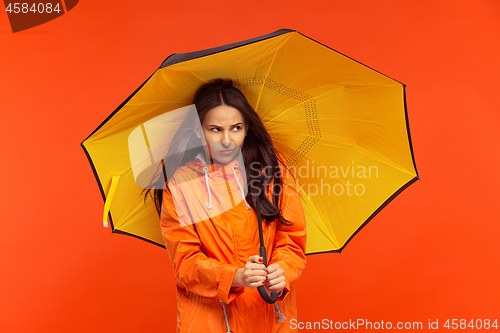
{"x": 262, "y": 251}
{"x": 262, "y": 291}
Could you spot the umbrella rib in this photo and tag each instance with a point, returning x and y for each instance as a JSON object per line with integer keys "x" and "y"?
{"x": 197, "y": 76}
{"x": 321, "y": 227}
{"x": 290, "y": 87}
{"x": 279, "y": 45}
{"x": 264, "y": 84}
{"x": 278, "y": 115}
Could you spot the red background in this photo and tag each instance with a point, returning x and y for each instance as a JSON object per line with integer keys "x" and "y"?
{"x": 432, "y": 253}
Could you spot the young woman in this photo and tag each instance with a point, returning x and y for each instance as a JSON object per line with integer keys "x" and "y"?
{"x": 215, "y": 254}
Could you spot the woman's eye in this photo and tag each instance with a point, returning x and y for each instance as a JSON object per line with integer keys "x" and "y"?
{"x": 235, "y": 129}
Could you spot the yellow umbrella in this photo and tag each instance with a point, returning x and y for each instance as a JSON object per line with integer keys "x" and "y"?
{"x": 342, "y": 126}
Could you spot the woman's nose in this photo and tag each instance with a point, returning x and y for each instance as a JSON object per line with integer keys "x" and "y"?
{"x": 226, "y": 140}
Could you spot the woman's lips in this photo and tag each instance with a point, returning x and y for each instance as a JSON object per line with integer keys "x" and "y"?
{"x": 227, "y": 151}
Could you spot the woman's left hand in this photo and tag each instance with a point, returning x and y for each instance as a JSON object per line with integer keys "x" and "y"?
{"x": 275, "y": 278}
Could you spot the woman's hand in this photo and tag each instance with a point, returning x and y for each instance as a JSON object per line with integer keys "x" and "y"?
{"x": 275, "y": 278}
{"x": 253, "y": 275}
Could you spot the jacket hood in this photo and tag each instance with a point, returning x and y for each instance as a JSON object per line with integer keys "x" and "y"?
{"x": 213, "y": 173}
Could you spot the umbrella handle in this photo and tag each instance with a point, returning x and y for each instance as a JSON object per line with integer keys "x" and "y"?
{"x": 262, "y": 291}
{"x": 262, "y": 251}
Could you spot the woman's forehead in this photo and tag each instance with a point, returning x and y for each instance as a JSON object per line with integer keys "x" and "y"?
{"x": 224, "y": 115}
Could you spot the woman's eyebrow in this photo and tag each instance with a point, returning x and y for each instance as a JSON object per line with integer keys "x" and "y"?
{"x": 231, "y": 125}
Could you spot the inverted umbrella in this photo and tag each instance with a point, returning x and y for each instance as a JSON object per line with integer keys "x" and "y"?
{"x": 342, "y": 127}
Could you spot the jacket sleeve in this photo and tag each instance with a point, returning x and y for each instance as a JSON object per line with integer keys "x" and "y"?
{"x": 290, "y": 241}
{"x": 194, "y": 270}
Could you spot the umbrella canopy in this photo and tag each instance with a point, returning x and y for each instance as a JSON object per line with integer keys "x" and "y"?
{"x": 342, "y": 127}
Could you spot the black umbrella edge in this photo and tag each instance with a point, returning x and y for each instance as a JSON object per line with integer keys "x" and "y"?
{"x": 113, "y": 230}
{"x": 398, "y": 192}
{"x": 408, "y": 130}
{"x": 395, "y": 193}
{"x": 181, "y": 57}
{"x": 116, "y": 231}
{"x": 117, "y": 109}
{"x": 350, "y": 58}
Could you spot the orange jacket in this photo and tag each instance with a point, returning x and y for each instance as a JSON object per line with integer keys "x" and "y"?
{"x": 206, "y": 254}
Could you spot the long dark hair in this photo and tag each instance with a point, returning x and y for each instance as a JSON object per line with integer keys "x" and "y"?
{"x": 257, "y": 150}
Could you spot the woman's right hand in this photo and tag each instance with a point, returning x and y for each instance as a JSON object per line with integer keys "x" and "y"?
{"x": 253, "y": 275}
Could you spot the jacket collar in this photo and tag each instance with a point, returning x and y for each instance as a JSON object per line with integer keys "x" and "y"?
{"x": 200, "y": 162}
{"x": 201, "y": 157}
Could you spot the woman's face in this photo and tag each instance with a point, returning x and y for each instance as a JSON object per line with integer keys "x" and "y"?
{"x": 224, "y": 129}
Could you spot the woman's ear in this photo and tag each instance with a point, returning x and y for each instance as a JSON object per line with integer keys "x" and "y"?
{"x": 197, "y": 132}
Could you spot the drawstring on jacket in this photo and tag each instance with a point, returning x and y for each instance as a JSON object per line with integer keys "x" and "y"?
{"x": 225, "y": 316}
{"x": 241, "y": 190}
{"x": 281, "y": 317}
{"x": 209, "y": 204}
